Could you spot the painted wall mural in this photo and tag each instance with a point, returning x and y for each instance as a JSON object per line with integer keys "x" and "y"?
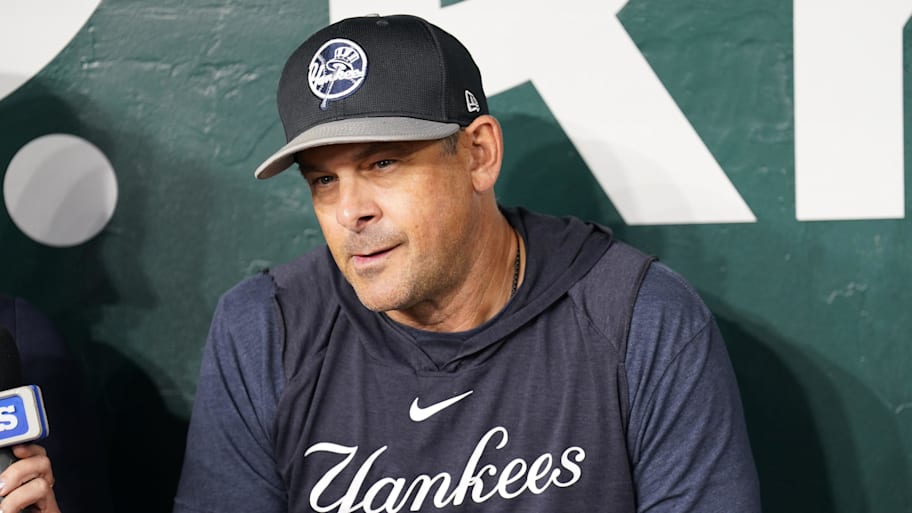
{"x": 758, "y": 148}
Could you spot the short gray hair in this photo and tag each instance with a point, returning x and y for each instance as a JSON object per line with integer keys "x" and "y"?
{"x": 451, "y": 143}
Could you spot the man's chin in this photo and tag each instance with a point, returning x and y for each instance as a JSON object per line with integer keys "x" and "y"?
{"x": 378, "y": 301}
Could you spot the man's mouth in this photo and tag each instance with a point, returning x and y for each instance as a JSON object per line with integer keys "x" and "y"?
{"x": 371, "y": 256}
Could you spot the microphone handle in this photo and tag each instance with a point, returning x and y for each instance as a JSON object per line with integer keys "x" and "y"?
{"x": 6, "y": 458}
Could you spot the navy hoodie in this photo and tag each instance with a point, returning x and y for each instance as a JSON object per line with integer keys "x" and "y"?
{"x": 309, "y": 402}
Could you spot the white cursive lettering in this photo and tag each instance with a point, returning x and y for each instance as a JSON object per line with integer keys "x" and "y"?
{"x": 392, "y": 494}
{"x": 320, "y": 75}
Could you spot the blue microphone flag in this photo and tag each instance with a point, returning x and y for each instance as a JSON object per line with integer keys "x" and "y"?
{"x": 22, "y": 415}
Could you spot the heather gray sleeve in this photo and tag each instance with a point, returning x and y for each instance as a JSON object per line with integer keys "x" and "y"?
{"x": 687, "y": 439}
{"x": 229, "y": 463}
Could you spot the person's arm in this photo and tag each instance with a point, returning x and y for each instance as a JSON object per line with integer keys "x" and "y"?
{"x": 229, "y": 464}
{"x": 28, "y": 482}
{"x": 74, "y": 436}
{"x": 687, "y": 437}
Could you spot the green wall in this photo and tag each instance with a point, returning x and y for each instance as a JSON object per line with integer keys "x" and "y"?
{"x": 180, "y": 96}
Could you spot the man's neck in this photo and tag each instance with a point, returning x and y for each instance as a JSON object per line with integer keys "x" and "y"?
{"x": 485, "y": 291}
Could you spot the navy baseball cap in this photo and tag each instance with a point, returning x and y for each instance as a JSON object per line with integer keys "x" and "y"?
{"x": 375, "y": 78}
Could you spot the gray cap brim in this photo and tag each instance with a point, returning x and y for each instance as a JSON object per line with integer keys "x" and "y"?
{"x": 355, "y": 130}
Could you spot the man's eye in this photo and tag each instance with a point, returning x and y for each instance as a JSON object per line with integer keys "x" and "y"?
{"x": 322, "y": 180}
{"x": 380, "y": 164}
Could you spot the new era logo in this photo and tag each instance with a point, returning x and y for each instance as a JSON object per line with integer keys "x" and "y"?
{"x": 471, "y": 102}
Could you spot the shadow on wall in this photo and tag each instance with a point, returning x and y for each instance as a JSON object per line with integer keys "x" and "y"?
{"x": 783, "y": 426}
{"x": 800, "y": 414}
{"x": 141, "y": 441}
{"x": 551, "y": 177}
{"x": 822, "y": 440}
{"x": 144, "y": 441}
{"x": 543, "y": 172}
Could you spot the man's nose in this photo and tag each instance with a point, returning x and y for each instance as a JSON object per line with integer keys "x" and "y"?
{"x": 357, "y": 207}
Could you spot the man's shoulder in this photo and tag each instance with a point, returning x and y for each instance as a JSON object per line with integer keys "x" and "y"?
{"x": 606, "y": 294}
{"x": 668, "y": 318}
{"x": 250, "y": 291}
{"x": 656, "y": 286}
{"x": 667, "y": 296}
{"x": 628, "y": 283}
{"x": 261, "y": 288}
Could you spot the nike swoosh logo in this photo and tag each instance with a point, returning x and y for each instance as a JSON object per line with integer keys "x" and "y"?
{"x": 419, "y": 414}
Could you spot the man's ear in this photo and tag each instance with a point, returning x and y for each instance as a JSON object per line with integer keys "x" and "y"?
{"x": 483, "y": 140}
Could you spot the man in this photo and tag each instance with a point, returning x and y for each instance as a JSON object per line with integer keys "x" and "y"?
{"x": 29, "y": 482}
{"x": 442, "y": 353}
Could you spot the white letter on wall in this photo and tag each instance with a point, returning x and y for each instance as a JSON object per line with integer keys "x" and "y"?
{"x": 33, "y": 32}
{"x": 849, "y": 109}
{"x": 628, "y": 129}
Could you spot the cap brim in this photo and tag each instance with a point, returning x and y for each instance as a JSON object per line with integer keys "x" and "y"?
{"x": 355, "y": 130}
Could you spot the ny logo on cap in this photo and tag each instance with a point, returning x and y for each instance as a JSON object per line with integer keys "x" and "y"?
{"x": 337, "y": 70}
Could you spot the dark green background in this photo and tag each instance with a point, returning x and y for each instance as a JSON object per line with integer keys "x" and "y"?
{"x": 180, "y": 96}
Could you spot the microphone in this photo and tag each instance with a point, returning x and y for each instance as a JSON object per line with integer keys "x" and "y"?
{"x": 22, "y": 415}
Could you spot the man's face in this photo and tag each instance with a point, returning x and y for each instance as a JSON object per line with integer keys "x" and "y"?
{"x": 398, "y": 218}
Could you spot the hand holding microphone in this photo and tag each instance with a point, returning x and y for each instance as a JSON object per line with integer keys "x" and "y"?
{"x": 26, "y": 478}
